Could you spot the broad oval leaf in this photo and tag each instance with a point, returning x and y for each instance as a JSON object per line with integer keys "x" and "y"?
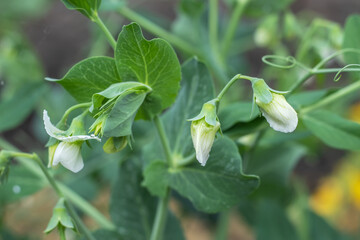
{"x": 153, "y": 63}
{"x": 333, "y": 130}
{"x": 89, "y": 76}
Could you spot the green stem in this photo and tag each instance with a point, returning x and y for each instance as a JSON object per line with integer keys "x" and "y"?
{"x": 160, "y": 217}
{"x": 164, "y": 140}
{"x": 231, "y": 82}
{"x": 72, "y": 108}
{"x": 108, "y": 34}
{"x": 335, "y": 70}
{"x": 213, "y": 24}
{"x": 156, "y": 30}
{"x": 61, "y": 230}
{"x": 68, "y": 193}
{"x": 319, "y": 71}
{"x": 333, "y": 97}
{"x": 233, "y": 23}
{"x": 78, "y": 221}
{"x": 223, "y": 225}
{"x": 86, "y": 207}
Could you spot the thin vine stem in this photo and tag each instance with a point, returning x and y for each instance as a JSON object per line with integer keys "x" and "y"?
{"x": 333, "y": 97}
{"x": 213, "y": 25}
{"x": 160, "y": 217}
{"x": 161, "y": 211}
{"x": 233, "y": 23}
{"x": 230, "y": 83}
{"x": 106, "y": 31}
{"x": 164, "y": 140}
{"x": 77, "y": 106}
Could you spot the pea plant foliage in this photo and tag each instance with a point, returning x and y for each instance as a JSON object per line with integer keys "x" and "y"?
{"x": 187, "y": 124}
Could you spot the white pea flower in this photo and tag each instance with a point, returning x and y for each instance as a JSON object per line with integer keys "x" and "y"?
{"x": 278, "y": 112}
{"x": 68, "y": 151}
{"x": 203, "y": 130}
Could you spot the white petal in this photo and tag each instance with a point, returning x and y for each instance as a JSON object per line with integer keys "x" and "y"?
{"x": 203, "y": 136}
{"x": 61, "y": 135}
{"x": 69, "y": 155}
{"x": 279, "y": 114}
{"x": 50, "y": 128}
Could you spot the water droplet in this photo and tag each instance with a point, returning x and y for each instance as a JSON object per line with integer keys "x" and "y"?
{"x": 16, "y": 189}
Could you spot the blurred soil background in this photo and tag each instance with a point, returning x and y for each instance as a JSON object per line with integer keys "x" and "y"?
{"x": 61, "y": 38}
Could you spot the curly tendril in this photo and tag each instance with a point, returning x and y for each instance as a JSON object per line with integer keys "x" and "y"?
{"x": 289, "y": 62}
{"x": 337, "y": 77}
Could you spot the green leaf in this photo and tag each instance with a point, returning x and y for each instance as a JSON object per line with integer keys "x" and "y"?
{"x": 333, "y": 130}
{"x": 21, "y": 183}
{"x": 132, "y": 208}
{"x": 273, "y": 165}
{"x": 238, "y": 112}
{"x": 89, "y": 76}
{"x": 121, "y": 117}
{"x": 218, "y": 185}
{"x": 105, "y": 234}
{"x": 272, "y": 223}
{"x": 319, "y": 229}
{"x": 153, "y": 173}
{"x": 86, "y": 7}
{"x": 351, "y": 38}
{"x": 153, "y": 63}
{"x": 303, "y": 99}
{"x": 215, "y": 187}
{"x": 16, "y": 109}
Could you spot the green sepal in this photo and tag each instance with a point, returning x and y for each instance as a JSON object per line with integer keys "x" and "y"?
{"x": 60, "y": 217}
{"x": 88, "y": 8}
{"x": 209, "y": 112}
{"x": 261, "y": 90}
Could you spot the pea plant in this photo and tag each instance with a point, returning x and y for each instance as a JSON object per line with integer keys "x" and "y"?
{"x": 186, "y": 121}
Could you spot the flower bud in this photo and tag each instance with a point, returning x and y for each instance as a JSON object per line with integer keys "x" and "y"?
{"x": 203, "y": 135}
{"x": 279, "y": 113}
{"x": 274, "y": 107}
{"x": 60, "y": 218}
{"x": 203, "y": 130}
